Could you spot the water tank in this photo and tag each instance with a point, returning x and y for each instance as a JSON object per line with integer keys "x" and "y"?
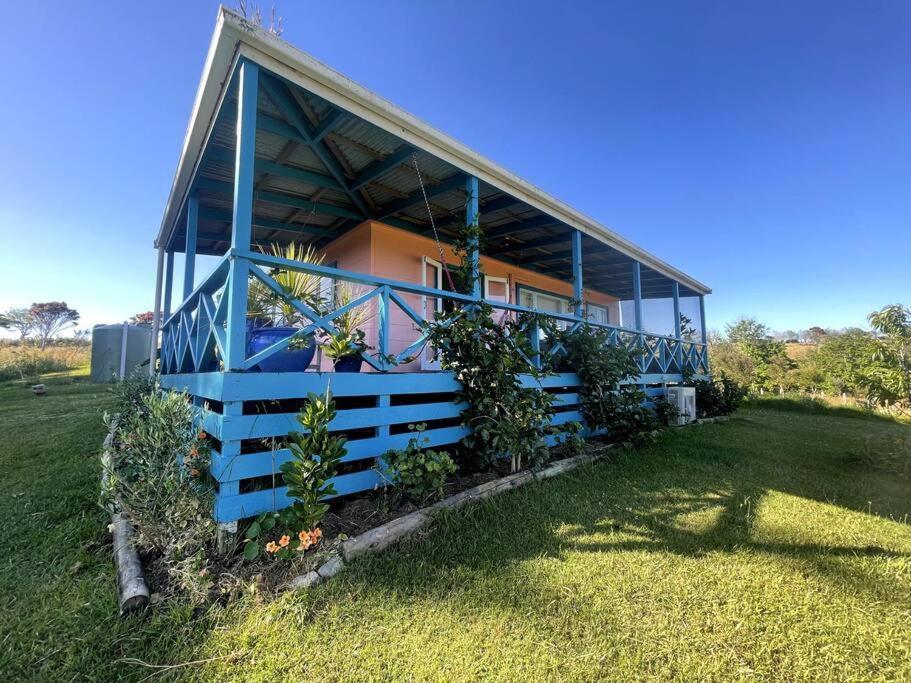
{"x": 117, "y": 350}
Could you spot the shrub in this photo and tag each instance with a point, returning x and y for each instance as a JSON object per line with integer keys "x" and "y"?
{"x": 718, "y": 396}
{"x": 418, "y": 473}
{"x": 315, "y": 456}
{"x": 609, "y": 400}
{"x": 488, "y": 358}
{"x": 158, "y": 473}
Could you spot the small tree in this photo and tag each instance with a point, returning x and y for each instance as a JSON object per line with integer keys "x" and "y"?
{"x": 889, "y": 377}
{"x": 142, "y": 318}
{"x": 50, "y": 318}
{"x": 18, "y": 319}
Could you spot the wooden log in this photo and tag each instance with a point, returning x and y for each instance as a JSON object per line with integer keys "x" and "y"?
{"x": 134, "y": 593}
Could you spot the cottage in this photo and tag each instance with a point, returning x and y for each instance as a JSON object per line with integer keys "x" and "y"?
{"x": 283, "y": 154}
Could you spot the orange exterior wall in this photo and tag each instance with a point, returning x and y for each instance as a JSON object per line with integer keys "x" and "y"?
{"x": 378, "y": 249}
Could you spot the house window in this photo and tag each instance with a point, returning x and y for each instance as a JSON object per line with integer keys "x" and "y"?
{"x": 496, "y": 289}
{"x": 597, "y": 314}
{"x": 545, "y": 302}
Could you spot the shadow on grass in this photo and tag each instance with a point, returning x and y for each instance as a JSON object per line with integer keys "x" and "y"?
{"x": 642, "y": 501}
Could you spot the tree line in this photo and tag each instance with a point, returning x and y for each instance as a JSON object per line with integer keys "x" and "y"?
{"x": 872, "y": 366}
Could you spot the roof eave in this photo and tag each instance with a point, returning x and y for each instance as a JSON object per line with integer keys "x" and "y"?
{"x": 235, "y": 36}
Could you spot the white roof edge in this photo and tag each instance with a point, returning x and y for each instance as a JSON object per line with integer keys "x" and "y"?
{"x": 235, "y": 34}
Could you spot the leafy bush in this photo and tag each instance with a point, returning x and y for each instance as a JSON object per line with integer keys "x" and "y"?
{"x": 418, "y": 473}
{"x": 719, "y": 396}
{"x": 488, "y": 358}
{"x": 315, "y": 456}
{"x": 609, "y": 401}
{"x": 158, "y": 472}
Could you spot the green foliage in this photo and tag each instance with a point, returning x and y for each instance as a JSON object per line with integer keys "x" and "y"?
{"x": 719, "y": 396}
{"x": 769, "y": 364}
{"x": 266, "y": 306}
{"x": 609, "y": 401}
{"x": 488, "y": 358}
{"x": 25, "y": 360}
{"x": 158, "y": 471}
{"x": 315, "y": 456}
{"x": 889, "y": 377}
{"x": 418, "y": 473}
{"x": 344, "y": 344}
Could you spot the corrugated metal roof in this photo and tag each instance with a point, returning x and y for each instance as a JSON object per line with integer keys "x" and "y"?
{"x": 353, "y": 144}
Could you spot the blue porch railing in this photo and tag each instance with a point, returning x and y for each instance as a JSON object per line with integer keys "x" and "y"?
{"x": 194, "y": 336}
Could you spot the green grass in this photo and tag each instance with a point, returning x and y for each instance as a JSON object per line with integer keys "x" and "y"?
{"x": 759, "y": 548}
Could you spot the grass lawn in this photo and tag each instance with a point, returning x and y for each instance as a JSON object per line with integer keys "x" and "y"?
{"x": 776, "y": 545}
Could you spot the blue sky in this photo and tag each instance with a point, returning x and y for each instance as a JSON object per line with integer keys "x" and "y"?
{"x": 765, "y": 149}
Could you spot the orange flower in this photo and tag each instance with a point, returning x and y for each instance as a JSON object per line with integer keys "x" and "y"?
{"x": 317, "y": 533}
{"x": 194, "y": 472}
{"x": 271, "y": 547}
{"x": 304, "y": 544}
{"x": 201, "y": 435}
{"x": 303, "y": 535}
{"x": 284, "y": 541}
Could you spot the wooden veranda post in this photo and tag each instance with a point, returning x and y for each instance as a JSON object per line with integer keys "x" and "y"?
{"x": 577, "y": 274}
{"x": 168, "y": 283}
{"x": 189, "y": 265}
{"x": 678, "y": 354}
{"x": 472, "y": 217}
{"x": 242, "y": 218}
{"x": 156, "y": 313}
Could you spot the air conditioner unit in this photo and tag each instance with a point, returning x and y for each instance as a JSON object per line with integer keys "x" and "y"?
{"x": 684, "y": 400}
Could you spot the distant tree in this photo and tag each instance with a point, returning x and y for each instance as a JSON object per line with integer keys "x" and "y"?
{"x": 816, "y": 334}
{"x": 844, "y": 361}
{"x": 726, "y": 358}
{"x": 142, "y": 318}
{"x": 889, "y": 376}
{"x": 770, "y": 363}
{"x": 50, "y": 319}
{"x": 18, "y": 319}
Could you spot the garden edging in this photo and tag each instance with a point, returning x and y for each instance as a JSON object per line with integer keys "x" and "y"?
{"x": 379, "y": 538}
{"x": 131, "y": 583}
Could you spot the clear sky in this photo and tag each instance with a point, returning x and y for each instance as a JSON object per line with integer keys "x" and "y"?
{"x": 763, "y": 148}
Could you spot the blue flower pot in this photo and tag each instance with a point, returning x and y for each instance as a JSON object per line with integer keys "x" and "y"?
{"x": 286, "y": 360}
{"x": 348, "y": 364}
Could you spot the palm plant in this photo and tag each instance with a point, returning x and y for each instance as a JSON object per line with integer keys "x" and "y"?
{"x": 265, "y": 304}
{"x": 349, "y": 338}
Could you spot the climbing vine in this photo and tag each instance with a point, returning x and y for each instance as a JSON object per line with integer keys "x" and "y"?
{"x": 488, "y": 357}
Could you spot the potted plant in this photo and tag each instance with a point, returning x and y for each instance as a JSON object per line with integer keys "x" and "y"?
{"x": 272, "y": 318}
{"x": 348, "y": 342}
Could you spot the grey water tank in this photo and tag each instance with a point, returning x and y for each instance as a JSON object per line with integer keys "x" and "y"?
{"x": 117, "y": 350}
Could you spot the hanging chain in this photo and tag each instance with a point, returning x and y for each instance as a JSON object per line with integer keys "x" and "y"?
{"x": 436, "y": 236}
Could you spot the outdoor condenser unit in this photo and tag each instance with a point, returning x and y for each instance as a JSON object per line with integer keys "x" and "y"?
{"x": 684, "y": 400}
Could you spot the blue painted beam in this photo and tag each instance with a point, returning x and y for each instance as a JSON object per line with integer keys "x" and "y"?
{"x": 447, "y": 185}
{"x": 225, "y": 217}
{"x": 512, "y": 248}
{"x": 242, "y": 223}
{"x": 379, "y": 168}
{"x": 520, "y": 226}
{"x": 333, "y": 118}
{"x": 499, "y": 204}
{"x": 473, "y": 217}
{"x": 675, "y": 292}
{"x": 225, "y": 155}
{"x": 577, "y": 272}
{"x": 280, "y": 95}
{"x": 189, "y": 263}
{"x": 221, "y": 187}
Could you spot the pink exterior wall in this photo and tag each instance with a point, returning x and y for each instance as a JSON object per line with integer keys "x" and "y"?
{"x": 378, "y": 249}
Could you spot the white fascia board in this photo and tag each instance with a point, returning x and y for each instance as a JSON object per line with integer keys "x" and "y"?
{"x": 300, "y": 68}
